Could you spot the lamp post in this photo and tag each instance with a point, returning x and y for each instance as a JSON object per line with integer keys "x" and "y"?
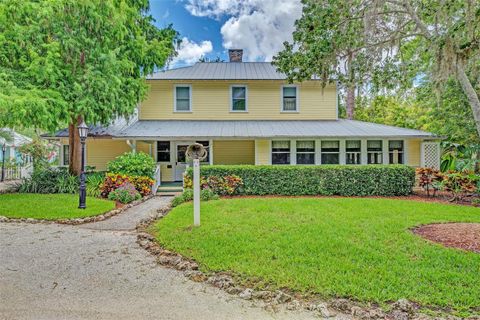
{"x": 196, "y": 152}
{"x": 4, "y": 149}
{"x": 82, "y": 132}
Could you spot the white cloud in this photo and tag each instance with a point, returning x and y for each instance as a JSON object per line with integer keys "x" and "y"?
{"x": 189, "y": 51}
{"x": 258, "y": 26}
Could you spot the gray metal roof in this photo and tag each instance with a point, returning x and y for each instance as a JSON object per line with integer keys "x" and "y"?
{"x": 239, "y": 129}
{"x": 222, "y": 71}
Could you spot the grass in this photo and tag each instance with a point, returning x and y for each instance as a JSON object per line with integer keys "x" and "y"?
{"x": 50, "y": 206}
{"x": 334, "y": 247}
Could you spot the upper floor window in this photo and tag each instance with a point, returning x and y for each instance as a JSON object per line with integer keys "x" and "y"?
{"x": 163, "y": 151}
{"x": 281, "y": 152}
{"x": 374, "y": 151}
{"x": 239, "y": 98}
{"x": 289, "y": 99}
{"x": 395, "y": 151}
{"x": 330, "y": 152}
{"x": 306, "y": 152}
{"x": 183, "y": 98}
{"x": 353, "y": 151}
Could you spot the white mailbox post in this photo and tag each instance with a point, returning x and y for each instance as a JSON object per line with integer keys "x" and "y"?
{"x": 196, "y": 152}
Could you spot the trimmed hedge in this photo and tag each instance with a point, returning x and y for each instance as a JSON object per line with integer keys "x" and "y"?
{"x": 343, "y": 180}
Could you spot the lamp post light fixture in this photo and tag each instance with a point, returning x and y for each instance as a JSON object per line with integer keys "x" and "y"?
{"x": 4, "y": 149}
{"x": 82, "y": 132}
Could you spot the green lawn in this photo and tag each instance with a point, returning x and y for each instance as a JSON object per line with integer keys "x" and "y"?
{"x": 50, "y": 206}
{"x": 335, "y": 247}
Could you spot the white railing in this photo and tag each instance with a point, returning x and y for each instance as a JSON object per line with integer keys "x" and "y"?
{"x": 17, "y": 172}
{"x": 157, "y": 179}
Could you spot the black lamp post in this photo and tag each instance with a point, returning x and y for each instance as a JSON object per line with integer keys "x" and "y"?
{"x": 82, "y": 132}
{"x": 4, "y": 149}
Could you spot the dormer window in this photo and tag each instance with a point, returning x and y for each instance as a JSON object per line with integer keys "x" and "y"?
{"x": 289, "y": 99}
{"x": 183, "y": 98}
{"x": 238, "y": 99}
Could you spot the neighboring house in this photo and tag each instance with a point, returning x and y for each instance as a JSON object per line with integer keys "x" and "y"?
{"x": 246, "y": 113}
{"x": 11, "y": 152}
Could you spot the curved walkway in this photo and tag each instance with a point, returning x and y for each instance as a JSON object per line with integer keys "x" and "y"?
{"x": 97, "y": 271}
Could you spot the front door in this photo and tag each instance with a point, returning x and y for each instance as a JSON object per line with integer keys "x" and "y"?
{"x": 180, "y": 160}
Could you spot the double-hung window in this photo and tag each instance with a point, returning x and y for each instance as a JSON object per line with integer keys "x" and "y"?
{"x": 306, "y": 152}
{"x": 163, "y": 151}
{"x": 65, "y": 154}
{"x": 330, "y": 152}
{"x": 183, "y": 98}
{"x": 395, "y": 151}
{"x": 206, "y": 145}
{"x": 238, "y": 99}
{"x": 374, "y": 152}
{"x": 289, "y": 99}
{"x": 353, "y": 151}
{"x": 281, "y": 152}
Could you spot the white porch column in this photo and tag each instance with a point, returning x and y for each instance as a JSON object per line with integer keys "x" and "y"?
{"x": 318, "y": 155}
{"x": 385, "y": 151}
{"x": 293, "y": 152}
{"x": 405, "y": 152}
{"x": 363, "y": 152}
{"x": 343, "y": 152}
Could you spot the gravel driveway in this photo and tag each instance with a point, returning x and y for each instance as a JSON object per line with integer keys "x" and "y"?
{"x": 97, "y": 271}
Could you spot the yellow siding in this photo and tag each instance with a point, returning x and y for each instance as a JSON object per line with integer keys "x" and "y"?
{"x": 211, "y": 101}
{"x": 166, "y": 173}
{"x": 413, "y": 149}
{"x": 234, "y": 152}
{"x": 144, "y": 147}
{"x": 262, "y": 152}
{"x": 101, "y": 151}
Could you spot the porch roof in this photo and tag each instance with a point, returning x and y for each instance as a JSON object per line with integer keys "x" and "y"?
{"x": 241, "y": 129}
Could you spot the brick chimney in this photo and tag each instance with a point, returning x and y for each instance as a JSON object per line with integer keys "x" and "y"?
{"x": 235, "y": 55}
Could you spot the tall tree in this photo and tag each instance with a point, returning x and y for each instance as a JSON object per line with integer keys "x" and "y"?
{"x": 65, "y": 61}
{"x": 329, "y": 43}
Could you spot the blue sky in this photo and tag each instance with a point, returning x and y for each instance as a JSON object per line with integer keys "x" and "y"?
{"x": 209, "y": 27}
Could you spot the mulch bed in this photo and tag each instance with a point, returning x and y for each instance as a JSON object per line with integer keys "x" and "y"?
{"x": 465, "y": 236}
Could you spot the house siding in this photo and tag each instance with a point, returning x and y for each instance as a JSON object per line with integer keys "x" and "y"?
{"x": 211, "y": 101}
{"x": 413, "y": 152}
{"x": 262, "y": 152}
{"x": 234, "y": 152}
{"x": 101, "y": 151}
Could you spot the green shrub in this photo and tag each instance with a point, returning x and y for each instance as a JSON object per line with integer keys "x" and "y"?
{"x": 133, "y": 164}
{"x": 94, "y": 184}
{"x": 187, "y": 195}
{"x": 227, "y": 185}
{"x": 50, "y": 180}
{"x": 125, "y": 193}
{"x": 344, "y": 180}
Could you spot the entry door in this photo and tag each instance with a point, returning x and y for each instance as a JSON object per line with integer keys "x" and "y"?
{"x": 180, "y": 160}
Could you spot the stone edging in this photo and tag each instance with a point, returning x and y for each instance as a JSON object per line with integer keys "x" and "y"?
{"x": 77, "y": 221}
{"x": 273, "y": 299}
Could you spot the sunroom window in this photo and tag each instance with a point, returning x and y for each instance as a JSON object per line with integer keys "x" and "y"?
{"x": 306, "y": 152}
{"x": 206, "y": 145}
{"x": 330, "y": 152}
{"x": 289, "y": 95}
{"x": 395, "y": 151}
{"x": 374, "y": 152}
{"x": 239, "y": 98}
{"x": 280, "y": 152}
{"x": 353, "y": 151}
{"x": 182, "y": 98}
{"x": 163, "y": 151}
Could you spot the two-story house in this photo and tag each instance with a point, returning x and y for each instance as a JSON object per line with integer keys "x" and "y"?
{"x": 246, "y": 113}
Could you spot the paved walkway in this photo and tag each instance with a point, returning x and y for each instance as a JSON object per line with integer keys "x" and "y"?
{"x": 97, "y": 271}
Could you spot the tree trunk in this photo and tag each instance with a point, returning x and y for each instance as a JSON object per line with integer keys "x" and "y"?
{"x": 75, "y": 149}
{"x": 350, "y": 101}
{"x": 350, "y": 105}
{"x": 470, "y": 93}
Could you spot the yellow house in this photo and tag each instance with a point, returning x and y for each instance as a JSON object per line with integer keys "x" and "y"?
{"x": 247, "y": 113}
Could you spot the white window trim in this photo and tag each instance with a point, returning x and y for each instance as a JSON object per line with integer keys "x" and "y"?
{"x": 314, "y": 152}
{"x": 297, "y": 100}
{"x": 328, "y": 152}
{"x": 170, "y": 151}
{"x": 360, "y": 153}
{"x": 231, "y": 97}
{"x": 175, "y": 97}
{"x": 404, "y": 151}
{"x": 289, "y": 152}
{"x": 381, "y": 152}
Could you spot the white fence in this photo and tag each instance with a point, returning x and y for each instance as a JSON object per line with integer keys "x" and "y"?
{"x": 157, "y": 179}
{"x": 17, "y": 172}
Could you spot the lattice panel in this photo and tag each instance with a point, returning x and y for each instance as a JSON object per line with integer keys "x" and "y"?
{"x": 431, "y": 155}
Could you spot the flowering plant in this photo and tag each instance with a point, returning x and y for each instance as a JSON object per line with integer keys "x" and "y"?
{"x": 125, "y": 193}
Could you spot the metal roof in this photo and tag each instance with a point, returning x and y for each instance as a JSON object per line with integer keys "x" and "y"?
{"x": 17, "y": 138}
{"x": 239, "y": 129}
{"x": 222, "y": 71}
